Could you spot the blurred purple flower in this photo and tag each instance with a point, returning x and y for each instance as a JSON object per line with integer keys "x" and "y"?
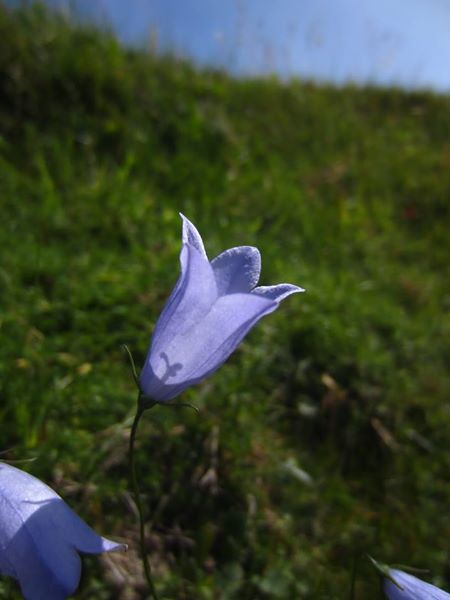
{"x": 411, "y": 588}
{"x": 212, "y": 307}
{"x": 40, "y": 537}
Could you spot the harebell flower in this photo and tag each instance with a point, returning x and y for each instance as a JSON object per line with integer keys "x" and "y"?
{"x": 211, "y": 309}
{"x": 40, "y": 537}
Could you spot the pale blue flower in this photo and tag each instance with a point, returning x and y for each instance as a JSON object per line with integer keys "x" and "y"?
{"x": 40, "y": 537}
{"x": 408, "y": 587}
{"x": 212, "y": 307}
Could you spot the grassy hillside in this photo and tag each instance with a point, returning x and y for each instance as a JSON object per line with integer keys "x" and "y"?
{"x": 326, "y": 436}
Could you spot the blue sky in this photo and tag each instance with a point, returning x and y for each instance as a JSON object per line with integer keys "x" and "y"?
{"x": 401, "y": 42}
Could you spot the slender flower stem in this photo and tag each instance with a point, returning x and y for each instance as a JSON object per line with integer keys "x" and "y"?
{"x": 353, "y": 575}
{"x": 137, "y": 498}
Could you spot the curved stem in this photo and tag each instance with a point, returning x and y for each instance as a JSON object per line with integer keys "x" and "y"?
{"x": 137, "y": 498}
{"x": 352, "y": 583}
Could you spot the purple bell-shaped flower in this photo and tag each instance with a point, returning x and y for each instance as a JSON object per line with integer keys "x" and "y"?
{"x": 212, "y": 307}
{"x": 40, "y": 537}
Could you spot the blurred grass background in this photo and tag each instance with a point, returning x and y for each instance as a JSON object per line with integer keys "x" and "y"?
{"x": 325, "y": 436}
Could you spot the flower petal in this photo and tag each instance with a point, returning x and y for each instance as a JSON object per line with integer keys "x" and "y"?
{"x": 188, "y": 305}
{"x": 411, "y": 588}
{"x": 191, "y": 236}
{"x": 237, "y": 269}
{"x": 200, "y": 350}
{"x": 81, "y": 535}
{"x": 46, "y": 564}
{"x": 277, "y": 293}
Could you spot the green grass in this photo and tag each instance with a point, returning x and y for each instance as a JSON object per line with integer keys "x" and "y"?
{"x": 345, "y": 192}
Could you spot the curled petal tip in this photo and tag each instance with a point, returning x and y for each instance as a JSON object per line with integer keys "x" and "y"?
{"x": 110, "y": 546}
{"x": 278, "y": 292}
{"x": 191, "y": 235}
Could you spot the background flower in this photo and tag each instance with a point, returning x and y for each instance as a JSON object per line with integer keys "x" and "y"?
{"x": 411, "y": 588}
{"x": 40, "y": 537}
